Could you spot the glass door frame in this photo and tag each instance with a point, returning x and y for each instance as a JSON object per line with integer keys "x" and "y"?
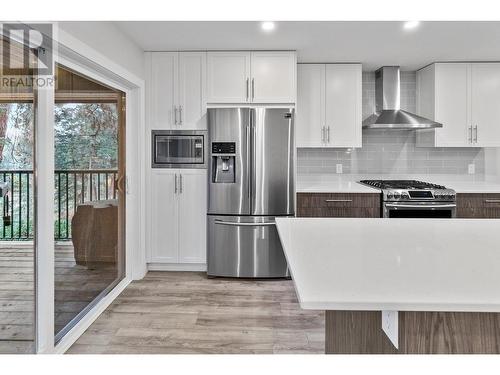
{"x": 79, "y": 57}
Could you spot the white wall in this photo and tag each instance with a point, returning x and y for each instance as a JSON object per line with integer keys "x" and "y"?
{"x": 108, "y": 40}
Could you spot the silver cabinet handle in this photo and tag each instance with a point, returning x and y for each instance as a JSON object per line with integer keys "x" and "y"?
{"x": 475, "y": 136}
{"x": 492, "y": 201}
{"x": 180, "y": 183}
{"x": 248, "y": 88}
{"x": 328, "y": 134}
{"x": 253, "y": 89}
{"x": 175, "y": 184}
{"x": 323, "y": 134}
{"x": 470, "y": 134}
{"x": 180, "y": 115}
{"x": 232, "y": 223}
{"x": 338, "y": 200}
{"x": 175, "y": 115}
{"x": 424, "y": 207}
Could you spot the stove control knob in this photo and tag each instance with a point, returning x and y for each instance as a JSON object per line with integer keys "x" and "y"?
{"x": 397, "y": 195}
{"x": 390, "y": 196}
{"x": 405, "y": 196}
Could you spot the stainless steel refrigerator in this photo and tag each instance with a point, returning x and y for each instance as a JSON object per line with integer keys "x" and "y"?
{"x": 250, "y": 182}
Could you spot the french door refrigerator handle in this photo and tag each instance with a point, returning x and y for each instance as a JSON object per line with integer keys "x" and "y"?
{"x": 232, "y": 223}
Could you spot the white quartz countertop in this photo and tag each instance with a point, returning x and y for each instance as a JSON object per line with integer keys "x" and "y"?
{"x": 393, "y": 264}
{"x": 346, "y": 183}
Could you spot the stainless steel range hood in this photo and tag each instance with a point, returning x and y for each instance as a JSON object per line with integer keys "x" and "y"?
{"x": 388, "y": 114}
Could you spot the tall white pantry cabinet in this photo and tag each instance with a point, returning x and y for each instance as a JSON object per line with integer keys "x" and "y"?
{"x": 177, "y": 199}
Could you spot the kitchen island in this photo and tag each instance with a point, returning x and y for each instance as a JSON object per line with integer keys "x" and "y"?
{"x": 398, "y": 285}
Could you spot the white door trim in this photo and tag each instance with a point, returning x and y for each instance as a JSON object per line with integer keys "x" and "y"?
{"x": 78, "y": 56}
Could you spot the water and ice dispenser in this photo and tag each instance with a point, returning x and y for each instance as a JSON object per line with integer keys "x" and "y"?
{"x": 223, "y": 162}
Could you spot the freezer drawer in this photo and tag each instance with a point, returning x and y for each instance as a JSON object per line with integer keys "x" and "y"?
{"x": 244, "y": 246}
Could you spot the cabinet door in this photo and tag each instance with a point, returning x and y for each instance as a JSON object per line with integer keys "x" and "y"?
{"x": 192, "y": 216}
{"x": 338, "y": 205}
{"x": 273, "y": 77}
{"x": 310, "y": 118}
{"x": 451, "y": 105}
{"x": 485, "y": 104}
{"x": 343, "y": 105}
{"x": 164, "y": 217}
{"x": 163, "y": 89}
{"x": 192, "y": 90}
{"x": 228, "y": 77}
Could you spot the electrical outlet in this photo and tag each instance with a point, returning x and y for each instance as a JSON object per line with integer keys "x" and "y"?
{"x": 472, "y": 169}
{"x": 338, "y": 168}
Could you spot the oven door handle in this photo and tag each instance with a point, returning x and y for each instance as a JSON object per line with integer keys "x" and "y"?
{"x": 232, "y": 223}
{"x": 420, "y": 206}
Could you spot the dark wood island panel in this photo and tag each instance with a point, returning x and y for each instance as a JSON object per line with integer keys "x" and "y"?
{"x": 478, "y": 205}
{"x": 338, "y": 205}
{"x": 360, "y": 332}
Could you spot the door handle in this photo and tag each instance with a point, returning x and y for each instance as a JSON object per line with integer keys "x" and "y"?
{"x": 323, "y": 135}
{"x": 492, "y": 201}
{"x": 175, "y": 115}
{"x": 180, "y": 183}
{"x": 470, "y": 134}
{"x": 338, "y": 200}
{"x": 234, "y": 224}
{"x": 248, "y": 88}
{"x": 475, "y": 136}
{"x": 175, "y": 184}
{"x": 253, "y": 89}
{"x": 118, "y": 183}
{"x": 180, "y": 115}
{"x": 328, "y": 134}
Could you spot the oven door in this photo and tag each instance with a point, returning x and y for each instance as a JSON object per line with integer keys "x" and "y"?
{"x": 178, "y": 150}
{"x": 437, "y": 210}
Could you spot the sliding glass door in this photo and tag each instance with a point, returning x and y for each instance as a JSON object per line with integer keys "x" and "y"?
{"x": 89, "y": 137}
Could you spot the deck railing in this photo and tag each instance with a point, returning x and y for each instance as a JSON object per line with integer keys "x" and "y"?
{"x": 72, "y": 187}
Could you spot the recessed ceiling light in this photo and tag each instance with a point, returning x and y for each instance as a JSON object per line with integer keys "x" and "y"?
{"x": 267, "y": 26}
{"x": 408, "y": 25}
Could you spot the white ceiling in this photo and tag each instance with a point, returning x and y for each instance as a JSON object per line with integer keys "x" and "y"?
{"x": 372, "y": 43}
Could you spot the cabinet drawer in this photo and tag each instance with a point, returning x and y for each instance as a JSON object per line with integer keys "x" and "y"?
{"x": 338, "y": 205}
{"x": 478, "y": 206}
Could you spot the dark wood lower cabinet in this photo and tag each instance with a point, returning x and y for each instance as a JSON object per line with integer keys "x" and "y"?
{"x": 478, "y": 206}
{"x": 338, "y": 205}
{"x": 360, "y": 332}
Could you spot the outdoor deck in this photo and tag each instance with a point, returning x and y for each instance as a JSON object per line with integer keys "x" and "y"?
{"x": 75, "y": 287}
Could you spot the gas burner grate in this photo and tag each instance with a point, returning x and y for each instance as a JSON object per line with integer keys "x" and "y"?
{"x": 401, "y": 184}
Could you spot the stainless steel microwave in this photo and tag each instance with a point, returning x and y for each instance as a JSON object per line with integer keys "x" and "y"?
{"x": 179, "y": 149}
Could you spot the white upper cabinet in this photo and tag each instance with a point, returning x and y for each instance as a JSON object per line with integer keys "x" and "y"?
{"x": 343, "y": 97}
{"x": 310, "y": 118}
{"x": 177, "y": 90}
{"x": 329, "y": 105}
{"x": 163, "y": 89}
{"x": 485, "y": 104}
{"x": 251, "y": 77}
{"x": 463, "y": 97}
{"x": 273, "y": 77}
{"x": 228, "y": 77}
{"x": 192, "y": 90}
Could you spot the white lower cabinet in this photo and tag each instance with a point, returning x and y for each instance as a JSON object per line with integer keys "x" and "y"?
{"x": 178, "y": 219}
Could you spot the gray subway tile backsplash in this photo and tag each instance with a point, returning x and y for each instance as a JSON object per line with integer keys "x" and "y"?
{"x": 390, "y": 151}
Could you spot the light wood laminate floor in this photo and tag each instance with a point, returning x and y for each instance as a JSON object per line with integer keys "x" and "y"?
{"x": 185, "y": 312}
{"x": 75, "y": 287}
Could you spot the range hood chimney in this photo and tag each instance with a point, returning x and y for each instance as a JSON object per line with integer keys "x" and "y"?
{"x": 388, "y": 113}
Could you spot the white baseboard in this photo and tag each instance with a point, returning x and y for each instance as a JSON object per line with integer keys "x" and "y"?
{"x": 73, "y": 335}
{"x": 191, "y": 267}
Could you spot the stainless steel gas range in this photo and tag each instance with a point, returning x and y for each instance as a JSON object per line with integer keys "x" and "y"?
{"x": 414, "y": 199}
